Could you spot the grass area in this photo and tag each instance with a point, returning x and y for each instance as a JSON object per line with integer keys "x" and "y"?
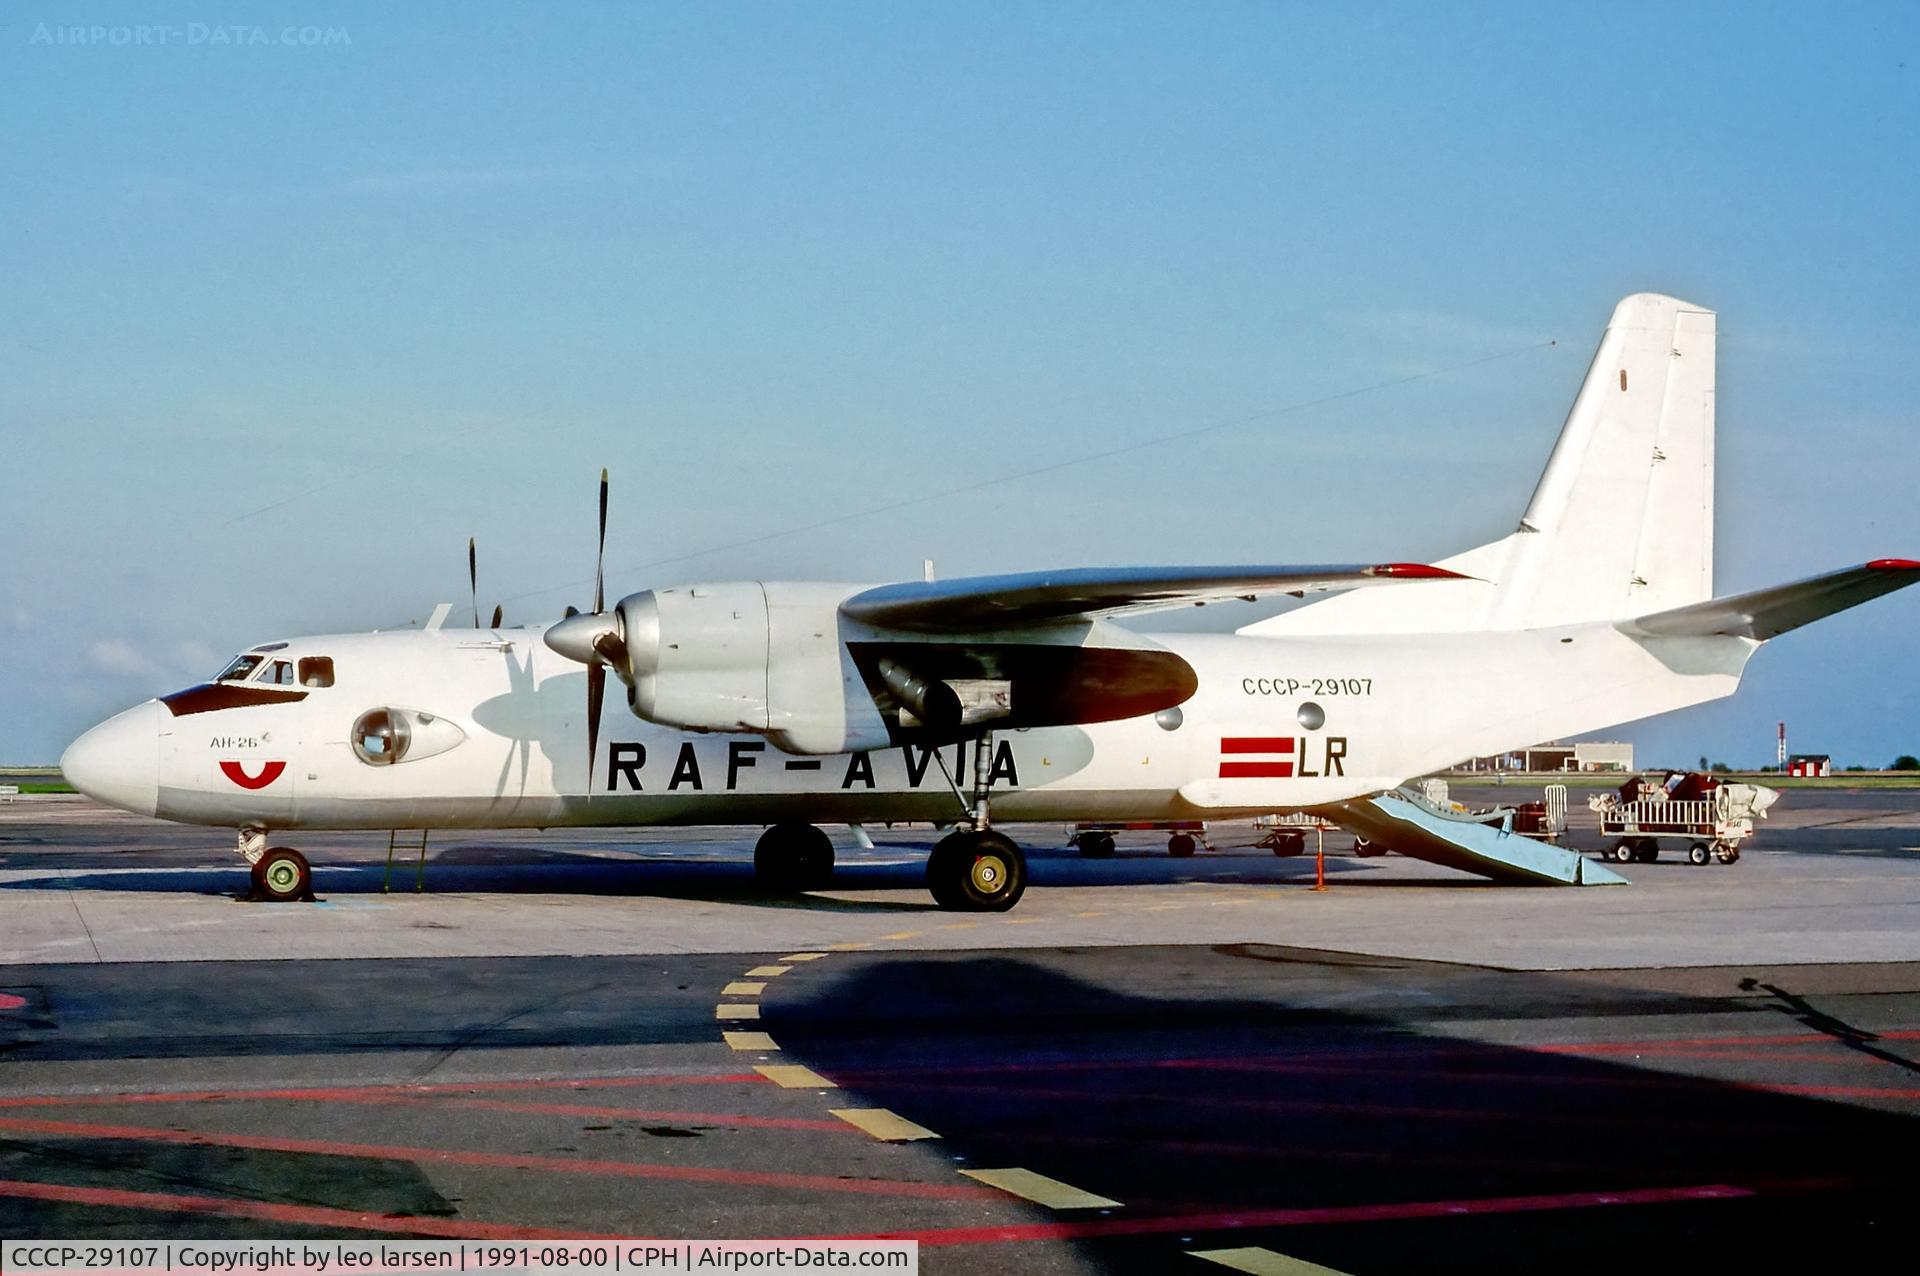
{"x": 45, "y": 786}
{"x": 1613, "y": 780}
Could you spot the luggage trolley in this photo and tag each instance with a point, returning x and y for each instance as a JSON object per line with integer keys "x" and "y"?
{"x": 1094, "y": 840}
{"x": 1711, "y": 825}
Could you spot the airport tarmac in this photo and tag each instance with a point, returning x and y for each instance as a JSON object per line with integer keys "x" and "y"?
{"x": 594, "y": 1032}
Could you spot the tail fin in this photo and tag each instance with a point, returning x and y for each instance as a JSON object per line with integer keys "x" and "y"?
{"x": 1621, "y": 522}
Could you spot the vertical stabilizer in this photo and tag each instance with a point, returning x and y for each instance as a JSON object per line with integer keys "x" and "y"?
{"x": 1621, "y": 521}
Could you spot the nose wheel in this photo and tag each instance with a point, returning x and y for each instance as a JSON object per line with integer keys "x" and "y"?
{"x": 282, "y": 875}
{"x": 977, "y": 872}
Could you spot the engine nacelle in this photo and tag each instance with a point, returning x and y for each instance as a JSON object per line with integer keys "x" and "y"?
{"x": 748, "y": 656}
{"x": 780, "y": 659}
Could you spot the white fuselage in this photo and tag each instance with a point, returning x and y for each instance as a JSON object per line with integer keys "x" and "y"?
{"x": 1395, "y": 706}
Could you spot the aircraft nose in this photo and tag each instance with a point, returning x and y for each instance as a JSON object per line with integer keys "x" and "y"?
{"x": 118, "y": 762}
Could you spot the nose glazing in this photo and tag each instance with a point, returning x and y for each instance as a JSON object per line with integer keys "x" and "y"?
{"x": 118, "y": 762}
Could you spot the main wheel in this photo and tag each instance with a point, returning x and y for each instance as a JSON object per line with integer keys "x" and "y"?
{"x": 1181, "y": 845}
{"x": 1096, "y": 846}
{"x": 1287, "y": 842}
{"x": 283, "y": 874}
{"x": 793, "y": 857}
{"x": 1698, "y": 853}
{"x": 977, "y": 873}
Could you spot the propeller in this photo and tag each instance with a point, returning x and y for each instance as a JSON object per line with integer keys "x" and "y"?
{"x": 594, "y": 638}
{"x": 473, "y": 589}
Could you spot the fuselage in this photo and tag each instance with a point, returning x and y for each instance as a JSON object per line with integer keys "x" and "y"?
{"x": 495, "y": 735}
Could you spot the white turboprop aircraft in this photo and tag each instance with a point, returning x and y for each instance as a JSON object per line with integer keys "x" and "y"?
{"x": 792, "y": 704}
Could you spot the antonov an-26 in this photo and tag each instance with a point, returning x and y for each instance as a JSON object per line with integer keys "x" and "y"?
{"x": 961, "y": 702}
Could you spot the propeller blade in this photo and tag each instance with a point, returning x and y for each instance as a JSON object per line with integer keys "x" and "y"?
{"x": 596, "y": 688}
{"x": 498, "y": 616}
{"x": 599, "y": 561}
{"x": 473, "y": 581}
{"x": 572, "y": 611}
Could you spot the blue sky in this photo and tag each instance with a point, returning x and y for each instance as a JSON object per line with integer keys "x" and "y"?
{"x": 282, "y": 324}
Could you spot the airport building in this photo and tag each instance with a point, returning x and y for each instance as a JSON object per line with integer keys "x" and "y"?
{"x": 1585, "y": 755}
{"x": 1810, "y": 764}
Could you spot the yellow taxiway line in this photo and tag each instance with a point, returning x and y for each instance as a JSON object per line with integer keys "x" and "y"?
{"x": 1041, "y": 1190}
{"x": 791, "y": 1076}
{"x": 1263, "y": 1262}
{"x": 889, "y": 1127}
{"x": 749, "y": 1041}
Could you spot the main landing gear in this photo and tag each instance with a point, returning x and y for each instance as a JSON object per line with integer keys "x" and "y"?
{"x": 280, "y": 873}
{"x": 974, "y": 869}
{"x": 977, "y": 871}
{"x": 793, "y": 857}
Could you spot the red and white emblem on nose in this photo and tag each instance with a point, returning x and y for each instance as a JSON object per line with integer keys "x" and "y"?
{"x": 1256, "y": 757}
{"x": 269, "y": 772}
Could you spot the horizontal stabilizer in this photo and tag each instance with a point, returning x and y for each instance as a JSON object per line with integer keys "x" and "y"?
{"x": 1768, "y": 613}
{"x": 973, "y": 603}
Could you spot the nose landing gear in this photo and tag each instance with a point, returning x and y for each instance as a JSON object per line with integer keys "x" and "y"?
{"x": 280, "y": 874}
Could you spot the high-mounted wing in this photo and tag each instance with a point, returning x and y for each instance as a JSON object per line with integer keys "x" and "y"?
{"x": 976, "y": 603}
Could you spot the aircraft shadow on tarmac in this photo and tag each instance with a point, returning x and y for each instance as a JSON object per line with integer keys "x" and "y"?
{"x": 1325, "y": 1081}
{"x": 1256, "y": 1082}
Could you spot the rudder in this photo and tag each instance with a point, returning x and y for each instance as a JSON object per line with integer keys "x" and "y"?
{"x": 1621, "y": 521}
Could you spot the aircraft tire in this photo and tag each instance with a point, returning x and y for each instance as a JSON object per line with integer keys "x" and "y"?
{"x": 793, "y": 857}
{"x": 1096, "y": 846}
{"x": 977, "y": 873}
{"x": 283, "y": 875}
{"x": 1181, "y": 845}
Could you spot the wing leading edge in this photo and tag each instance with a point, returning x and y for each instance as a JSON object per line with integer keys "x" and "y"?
{"x": 1768, "y": 613}
{"x": 973, "y": 603}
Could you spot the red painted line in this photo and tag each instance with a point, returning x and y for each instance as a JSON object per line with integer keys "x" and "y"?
{"x": 509, "y": 1161}
{"x": 1777, "y": 1055}
{"x": 1256, "y": 770}
{"x": 1837, "y": 1091}
{"x": 1257, "y": 744}
{"x": 734, "y": 1120}
{"x": 1334, "y": 1214}
{"x": 10, "y": 1002}
{"x": 1383, "y": 1111}
{"x": 305, "y": 1215}
{"x": 1689, "y": 1043}
{"x": 396, "y": 1093}
{"x": 1312, "y": 1152}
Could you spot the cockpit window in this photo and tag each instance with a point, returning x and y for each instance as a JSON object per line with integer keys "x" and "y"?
{"x": 277, "y": 673}
{"x": 239, "y": 669}
{"x": 316, "y": 671}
